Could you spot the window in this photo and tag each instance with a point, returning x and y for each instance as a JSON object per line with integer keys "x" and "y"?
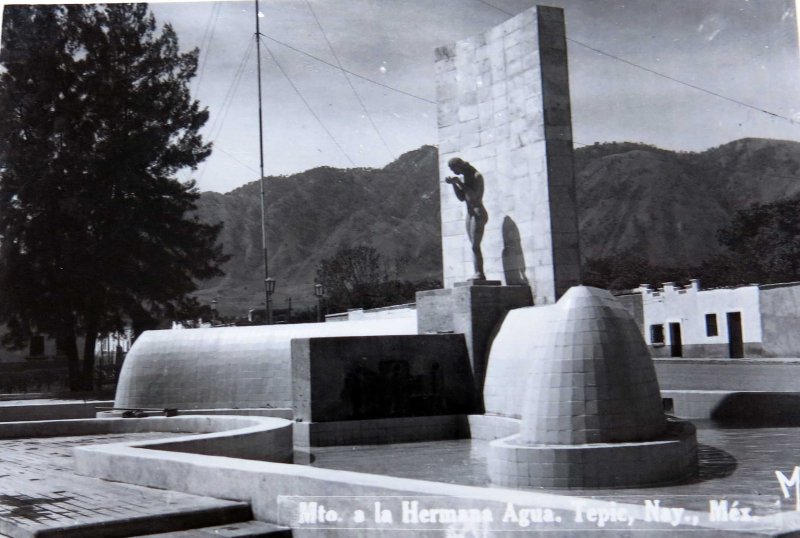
{"x": 711, "y": 325}
{"x": 656, "y": 334}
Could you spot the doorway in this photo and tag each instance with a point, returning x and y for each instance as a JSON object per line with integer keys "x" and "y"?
{"x": 735, "y": 339}
{"x": 676, "y": 344}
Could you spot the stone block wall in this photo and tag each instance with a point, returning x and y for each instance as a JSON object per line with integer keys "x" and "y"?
{"x": 475, "y": 312}
{"x": 359, "y": 378}
{"x": 504, "y": 106}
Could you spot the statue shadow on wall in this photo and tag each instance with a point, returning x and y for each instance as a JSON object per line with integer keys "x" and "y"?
{"x": 513, "y": 257}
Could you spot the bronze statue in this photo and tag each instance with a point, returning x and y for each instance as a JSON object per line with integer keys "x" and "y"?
{"x": 470, "y": 190}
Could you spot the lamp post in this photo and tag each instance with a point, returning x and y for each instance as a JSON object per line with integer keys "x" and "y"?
{"x": 269, "y": 286}
{"x": 319, "y": 291}
{"x": 213, "y": 310}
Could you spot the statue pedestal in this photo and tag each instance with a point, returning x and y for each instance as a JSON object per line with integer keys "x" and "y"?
{"x": 477, "y": 282}
{"x": 474, "y": 309}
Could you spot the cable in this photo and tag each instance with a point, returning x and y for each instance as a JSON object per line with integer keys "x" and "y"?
{"x": 205, "y": 43}
{"x": 227, "y": 101}
{"x": 690, "y": 85}
{"x": 216, "y": 126}
{"x": 288, "y": 46}
{"x": 236, "y": 159}
{"x": 497, "y": 8}
{"x": 347, "y": 78}
{"x": 654, "y": 72}
{"x": 308, "y": 106}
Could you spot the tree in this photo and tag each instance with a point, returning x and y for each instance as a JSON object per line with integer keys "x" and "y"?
{"x": 94, "y": 227}
{"x": 628, "y": 271}
{"x": 358, "y": 277}
{"x": 763, "y": 243}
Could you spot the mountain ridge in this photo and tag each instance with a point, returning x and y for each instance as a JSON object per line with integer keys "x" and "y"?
{"x": 633, "y": 198}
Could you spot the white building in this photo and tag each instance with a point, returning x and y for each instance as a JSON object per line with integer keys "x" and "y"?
{"x": 746, "y": 321}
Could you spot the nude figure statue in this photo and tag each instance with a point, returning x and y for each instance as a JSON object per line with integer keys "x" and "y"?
{"x": 470, "y": 190}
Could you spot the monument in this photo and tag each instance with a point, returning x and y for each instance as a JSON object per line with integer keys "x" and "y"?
{"x": 504, "y": 107}
{"x": 505, "y": 125}
{"x": 470, "y": 191}
{"x": 568, "y": 387}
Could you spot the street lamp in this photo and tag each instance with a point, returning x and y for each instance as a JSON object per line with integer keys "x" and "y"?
{"x": 269, "y": 286}
{"x": 213, "y": 310}
{"x": 319, "y": 291}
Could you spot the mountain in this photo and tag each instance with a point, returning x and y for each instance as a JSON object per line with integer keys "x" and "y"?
{"x": 667, "y": 206}
{"x": 662, "y": 205}
{"x": 311, "y": 215}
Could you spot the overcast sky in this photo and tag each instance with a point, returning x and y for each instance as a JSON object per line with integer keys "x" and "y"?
{"x": 742, "y": 50}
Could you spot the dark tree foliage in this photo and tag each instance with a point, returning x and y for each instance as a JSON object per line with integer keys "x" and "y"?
{"x": 628, "y": 271}
{"x": 94, "y": 228}
{"x": 763, "y": 244}
{"x": 358, "y": 277}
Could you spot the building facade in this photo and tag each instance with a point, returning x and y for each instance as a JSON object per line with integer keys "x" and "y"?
{"x": 745, "y": 321}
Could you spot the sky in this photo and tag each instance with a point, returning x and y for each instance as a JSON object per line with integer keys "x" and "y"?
{"x": 678, "y": 74}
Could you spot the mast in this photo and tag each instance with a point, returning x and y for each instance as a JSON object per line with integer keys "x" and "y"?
{"x": 268, "y": 283}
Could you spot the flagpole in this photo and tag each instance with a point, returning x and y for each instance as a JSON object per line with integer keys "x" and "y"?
{"x": 269, "y": 284}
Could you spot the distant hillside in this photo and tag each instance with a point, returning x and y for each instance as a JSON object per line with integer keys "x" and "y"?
{"x": 665, "y": 206}
{"x": 313, "y": 213}
{"x": 668, "y": 206}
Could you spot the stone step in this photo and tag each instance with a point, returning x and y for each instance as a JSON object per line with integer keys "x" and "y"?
{"x": 246, "y": 529}
{"x": 225, "y": 513}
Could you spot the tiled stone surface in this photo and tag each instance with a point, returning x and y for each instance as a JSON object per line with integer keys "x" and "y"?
{"x": 39, "y": 491}
{"x": 227, "y": 367}
{"x": 592, "y": 413}
{"x": 577, "y": 372}
{"x": 592, "y": 379}
{"x": 504, "y": 106}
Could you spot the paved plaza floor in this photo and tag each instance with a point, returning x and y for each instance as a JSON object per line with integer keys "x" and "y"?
{"x": 40, "y": 492}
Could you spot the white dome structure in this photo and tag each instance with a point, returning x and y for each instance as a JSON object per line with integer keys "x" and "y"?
{"x": 580, "y": 378}
{"x": 591, "y": 378}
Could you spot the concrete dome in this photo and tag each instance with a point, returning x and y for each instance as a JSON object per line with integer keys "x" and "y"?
{"x": 591, "y": 378}
{"x": 226, "y": 367}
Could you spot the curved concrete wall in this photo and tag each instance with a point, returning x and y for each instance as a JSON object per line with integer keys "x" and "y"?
{"x": 671, "y": 458}
{"x": 258, "y": 438}
{"x": 227, "y": 367}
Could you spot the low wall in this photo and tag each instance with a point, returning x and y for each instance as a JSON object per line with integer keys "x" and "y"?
{"x": 262, "y": 438}
{"x": 670, "y": 458}
{"x": 756, "y": 408}
{"x": 708, "y": 351}
{"x": 50, "y": 410}
{"x": 735, "y": 375}
{"x": 381, "y": 431}
{"x": 277, "y": 492}
{"x": 693, "y": 404}
{"x": 374, "y": 377}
